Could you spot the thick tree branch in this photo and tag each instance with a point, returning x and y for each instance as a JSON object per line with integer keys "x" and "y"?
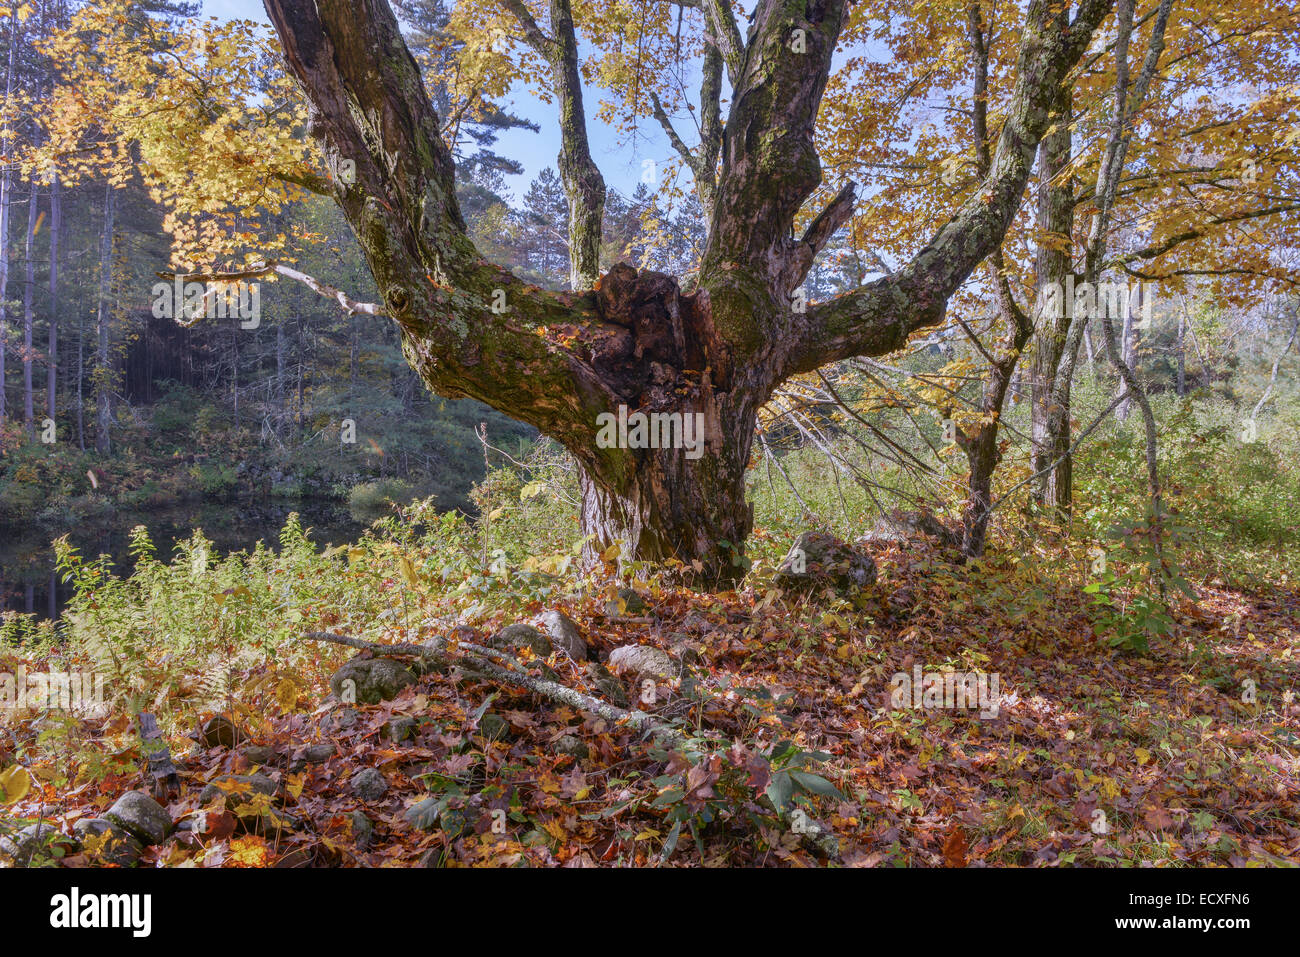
{"x": 470, "y": 328}
{"x": 726, "y": 35}
{"x": 583, "y": 184}
{"x": 1169, "y": 243}
{"x": 533, "y": 34}
{"x": 878, "y": 318}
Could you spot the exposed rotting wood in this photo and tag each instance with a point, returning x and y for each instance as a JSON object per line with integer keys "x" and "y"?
{"x": 161, "y": 770}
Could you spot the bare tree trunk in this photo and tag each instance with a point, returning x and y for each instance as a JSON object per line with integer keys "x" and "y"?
{"x": 1182, "y": 357}
{"x": 81, "y": 377}
{"x": 103, "y": 373}
{"x": 234, "y": 371}
{"x": 52, "y": 363}
{"x": 1126, "y": 104}
{"x": 29, "y": 287}
{"x": 281, "y": 383}
{"x": 1272, "y": 379}
{"x": 6, "y": 198}
{"x": 982, "y": 449}
{"x": 1052, "y": 368}
{"x": 583, "y": 184}
{"x": 1126, "y": 357}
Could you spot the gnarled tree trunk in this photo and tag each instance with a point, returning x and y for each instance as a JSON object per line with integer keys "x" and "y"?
{"x": 635, "y": 342}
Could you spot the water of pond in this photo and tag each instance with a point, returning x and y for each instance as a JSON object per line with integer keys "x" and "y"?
{"x": 28, "y": 582}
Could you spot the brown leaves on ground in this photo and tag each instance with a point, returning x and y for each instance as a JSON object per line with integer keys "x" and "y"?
{"x": 1094, "y": 757}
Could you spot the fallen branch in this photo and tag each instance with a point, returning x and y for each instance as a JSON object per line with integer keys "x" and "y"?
{"x": 500, "y": 667}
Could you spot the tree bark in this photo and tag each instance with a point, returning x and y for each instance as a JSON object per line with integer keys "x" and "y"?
{"x": 1049, "y": 376}
{"x": 583, "y": 184}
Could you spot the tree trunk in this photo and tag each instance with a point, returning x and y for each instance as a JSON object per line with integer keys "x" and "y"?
{"x": 29, "y": 287}
{"x": 6, "y": 198}
{"x": 52, "y": 363}
{"x": 1049, "y": 375}
{"x": 982, "y": 449}
{"x": 1125, "y": 362}
{"x": 103, "y": 373}
{"x": 1182, "y": 358}
{"x": 81, "y": 377}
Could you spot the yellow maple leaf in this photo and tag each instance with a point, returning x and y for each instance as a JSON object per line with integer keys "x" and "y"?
{"x": 248, "y": 852}
{"x": 14, "y": 784}
{"x": 286, "y": 694}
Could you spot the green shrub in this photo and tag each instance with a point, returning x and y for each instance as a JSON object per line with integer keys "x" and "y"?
{"x": 370, "y": 500}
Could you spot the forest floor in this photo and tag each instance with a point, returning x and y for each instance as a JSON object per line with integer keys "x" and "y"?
{"x": 1187, "y": 753}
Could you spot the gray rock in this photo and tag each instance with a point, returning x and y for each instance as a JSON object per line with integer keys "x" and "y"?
{"x": 369, "y": 784}
{"x": 565, "y": 634}
{"x": 434, "y": 660}
{"x": 817, "y": 560}
{"x": 643, "y": 660}
{"x": 609, "y": 687}
{"x": 260, "y": 754}
{"x": 138, "y": 813}
{"x": 572, "y": 746}
{"x": 118, "y": 847}
{"x": 400, "y": 729}
{"x": 520, "y": 635}
{"x": 897, "y": 525}
{"x": 28, "y": 843}
{"x": 230, "y": 785}
{"x": 494, "y": 727}
{"x": 220, "y": 732}
{"x": 370, "y": 680}
{"x": 633, "y": 601}
{"x": 312, "y": 754}
{"x": 363, "y": 829}
{"x": 340, "y": 719}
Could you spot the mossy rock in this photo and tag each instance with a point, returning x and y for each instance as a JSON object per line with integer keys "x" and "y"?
{"x": 370, "y": 680}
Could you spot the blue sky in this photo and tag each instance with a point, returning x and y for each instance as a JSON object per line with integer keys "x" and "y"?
{"x": 536, "y": 151}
